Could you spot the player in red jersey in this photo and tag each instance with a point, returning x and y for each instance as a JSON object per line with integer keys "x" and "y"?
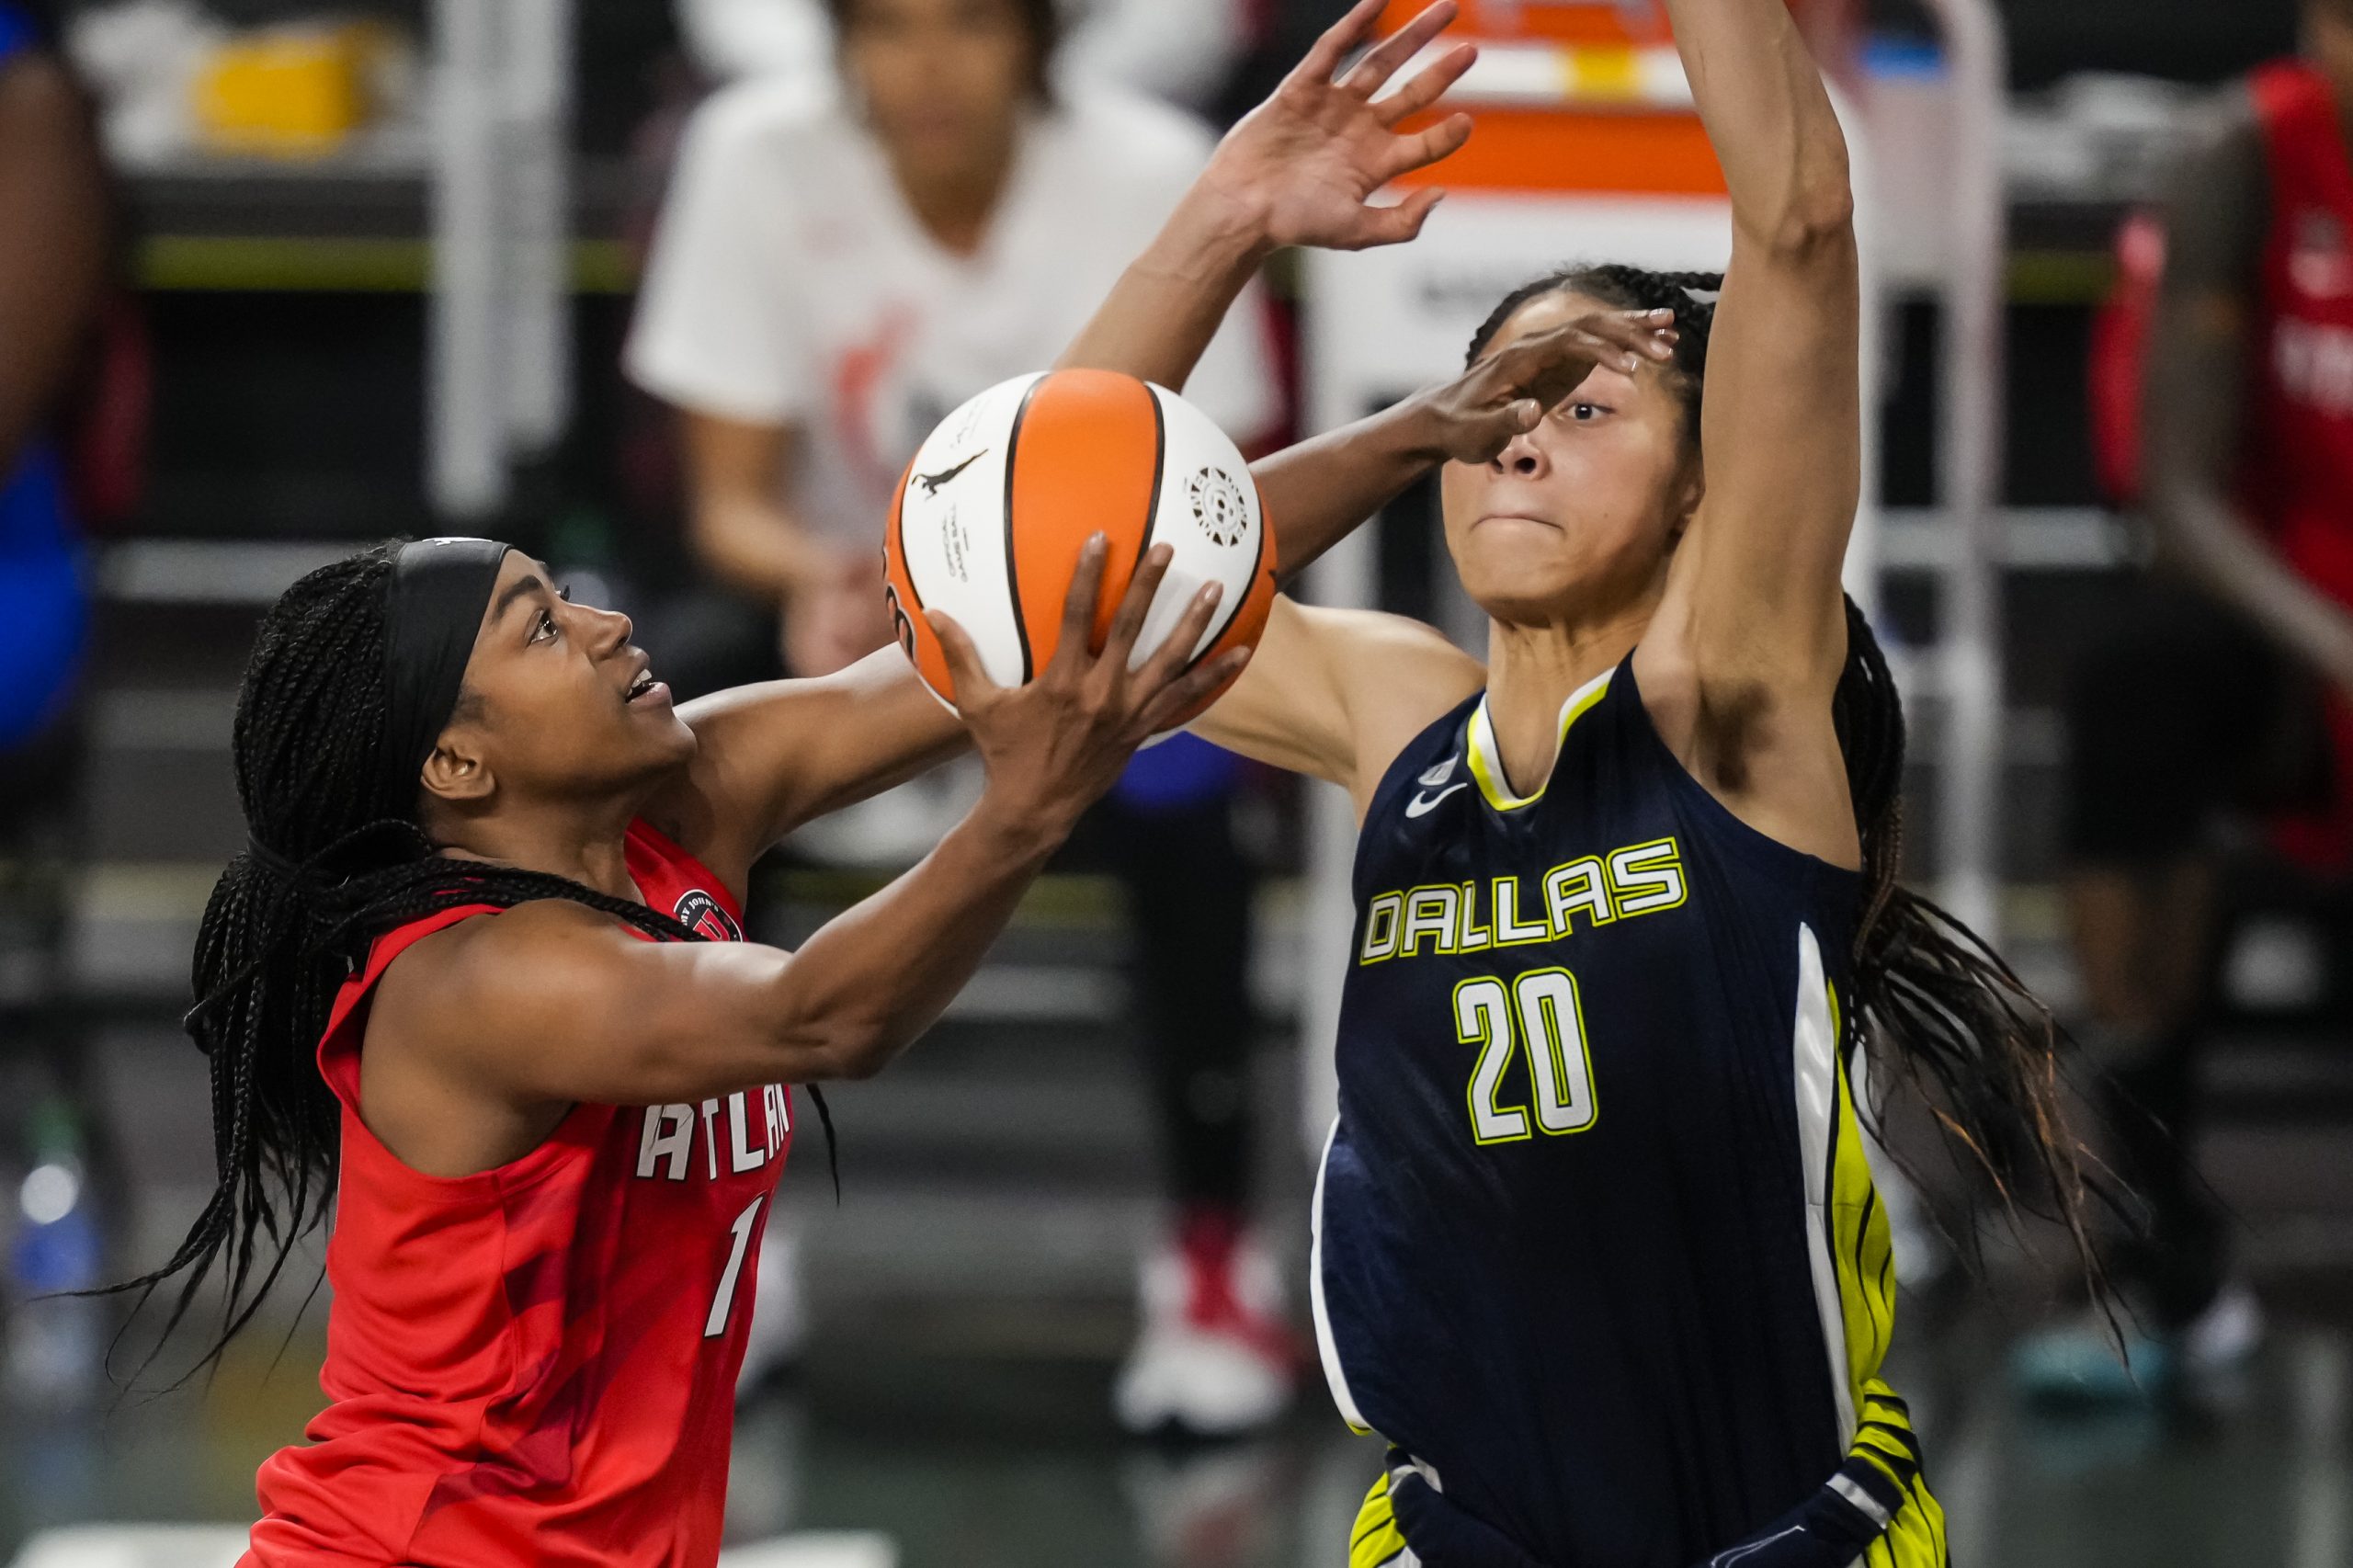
{"x": 2223, "y": 687}
{"x": 550, "y": 1135}
{"x": 559, "y": 1129}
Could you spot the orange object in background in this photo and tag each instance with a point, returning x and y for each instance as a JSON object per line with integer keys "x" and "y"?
{"x": 291, "y": 92}
{"x": 1577, "y": 95}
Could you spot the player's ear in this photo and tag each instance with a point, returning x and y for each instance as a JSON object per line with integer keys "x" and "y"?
{"x": 1690, "y": 489}
{"x": 458, "y": 770}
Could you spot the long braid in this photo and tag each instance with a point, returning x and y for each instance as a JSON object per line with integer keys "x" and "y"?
{"x": 336, "y": 859}
{"x": 1937, "y": 1008}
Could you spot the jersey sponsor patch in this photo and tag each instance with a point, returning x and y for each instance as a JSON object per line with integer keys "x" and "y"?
{"x": 700, "y": 913}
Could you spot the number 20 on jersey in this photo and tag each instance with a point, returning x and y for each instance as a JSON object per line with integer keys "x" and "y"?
{"x": 1536, "y": 1015}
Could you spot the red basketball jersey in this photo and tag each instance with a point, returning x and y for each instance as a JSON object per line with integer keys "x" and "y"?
{"x": 2296, "y": 471}
{"x": 534, "y": 1364}
{"x": 2297, "y": 477}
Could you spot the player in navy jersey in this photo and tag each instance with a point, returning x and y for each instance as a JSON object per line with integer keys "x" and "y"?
{"x": 1597, "y": 1247}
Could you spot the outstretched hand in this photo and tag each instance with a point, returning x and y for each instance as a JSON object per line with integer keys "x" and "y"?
{"x": 1506, "y": 394}
{"x": 1304, "y": 163}
{"x": 1054, "y": 746}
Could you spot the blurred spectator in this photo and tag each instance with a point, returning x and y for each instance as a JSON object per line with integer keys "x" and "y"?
{"x": 54, "y": 248}
{"x": 836, "y": 269}
{"x": 1178, "y": 50}
{"x": 2224, "y": 689}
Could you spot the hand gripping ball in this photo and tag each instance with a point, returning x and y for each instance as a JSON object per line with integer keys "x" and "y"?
{"x": 990, "y": 518}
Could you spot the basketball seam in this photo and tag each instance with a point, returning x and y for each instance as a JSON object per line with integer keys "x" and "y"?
{"x": 1159, "y": 462}
{"x": 899, "y": 537}
{"x": 1012, "y": 560}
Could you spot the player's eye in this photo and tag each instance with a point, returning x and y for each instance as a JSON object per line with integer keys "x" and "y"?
{"x": 564, "y": 593}
{"x": 1584, "y": 413}
{"x": 546, "y": 628}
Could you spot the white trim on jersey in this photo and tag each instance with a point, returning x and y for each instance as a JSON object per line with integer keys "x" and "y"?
{"x": 1327, "y": 1349}
{"x": 1814, "y": 1068}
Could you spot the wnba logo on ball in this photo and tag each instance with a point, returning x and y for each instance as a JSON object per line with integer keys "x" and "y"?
{"x": 1218, "y": 505}
{"x": 995, "y": 509}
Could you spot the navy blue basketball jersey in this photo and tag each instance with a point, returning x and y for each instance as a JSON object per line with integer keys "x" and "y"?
{"x": 1595, "y": 1239}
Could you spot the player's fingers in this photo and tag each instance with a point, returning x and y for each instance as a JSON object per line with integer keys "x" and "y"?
{"x": 1196, "y": 685}
{"x": 1176, "y": 651}
{"x": 1322, "y": 60}
{"x": 1395, "y": 225}
{"x": 1482, "y": 436}
{"x": 965, "y": 670}
{"x": 1128, "y": 625}
{"x": 1367, "y": 75}
{"x": 1549, "y": 365}
{"x": 1423, "y": 148}
{"x": 1648, "y": 333}
{"x": 1426, "y": 86}
{"x": 1070, "y": 647}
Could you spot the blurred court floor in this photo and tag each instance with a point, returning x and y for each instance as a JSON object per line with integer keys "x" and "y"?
{"x": 979, "y": 1438}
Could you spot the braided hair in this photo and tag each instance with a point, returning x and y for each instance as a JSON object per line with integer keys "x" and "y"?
{"x": 1937, "y": 1008}
{"x": 335, "y": 858}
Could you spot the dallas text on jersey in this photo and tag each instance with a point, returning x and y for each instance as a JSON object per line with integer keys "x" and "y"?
{"x": 1511, "y": 911}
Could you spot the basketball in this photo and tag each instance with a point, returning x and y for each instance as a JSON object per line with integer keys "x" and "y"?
{"x": 991, "y": 516}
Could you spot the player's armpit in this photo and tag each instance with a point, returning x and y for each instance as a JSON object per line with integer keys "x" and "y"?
{"x": 1336, "y": 694}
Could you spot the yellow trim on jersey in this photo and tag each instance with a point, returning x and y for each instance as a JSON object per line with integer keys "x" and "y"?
{"x": 1486, "y": 756}
{"x": 1375, "y": 1538}
{"x": 1863, "y": 1257}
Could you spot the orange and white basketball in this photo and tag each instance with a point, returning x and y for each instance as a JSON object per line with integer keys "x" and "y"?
{"x": 990, "y": 518}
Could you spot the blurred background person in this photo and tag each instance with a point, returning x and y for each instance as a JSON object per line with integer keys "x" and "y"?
{"x": 53, "y": 276}
{"x": 2222, "y": 688}
{"x": 1178, "y": 50}
{"x": 839, "y": 264}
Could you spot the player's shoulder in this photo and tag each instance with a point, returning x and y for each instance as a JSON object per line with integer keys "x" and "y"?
{"x": 1382, "y": 647}
{"x": 1121, "y": 137}
{"x": 1394, "y": 677}
{"x": 543, "y": 950}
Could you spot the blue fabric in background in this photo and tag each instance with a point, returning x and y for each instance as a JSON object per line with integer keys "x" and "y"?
{"x": 1180, "y": 772}
{"x": 44, "y": 602}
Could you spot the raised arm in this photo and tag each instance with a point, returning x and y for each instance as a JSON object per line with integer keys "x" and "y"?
{"x": 1298, "y": 170}
{"x": 1781, "y": 431}
{"x": 776, "y": 755}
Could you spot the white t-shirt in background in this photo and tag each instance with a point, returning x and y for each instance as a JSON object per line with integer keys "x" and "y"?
{"x": 792, "y": 284}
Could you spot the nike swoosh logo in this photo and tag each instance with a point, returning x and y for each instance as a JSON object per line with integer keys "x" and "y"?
{"x": 932, "y": 482}
{"x": 1423, "y": 805}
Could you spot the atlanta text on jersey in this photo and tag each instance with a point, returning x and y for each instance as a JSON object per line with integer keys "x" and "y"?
{"x": 731, "y": 1139}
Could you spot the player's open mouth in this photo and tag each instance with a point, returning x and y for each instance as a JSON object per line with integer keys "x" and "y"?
{"x": 644, "y": 687}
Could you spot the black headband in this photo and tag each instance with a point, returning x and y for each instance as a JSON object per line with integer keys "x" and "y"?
{"x": 440, "y": 588}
